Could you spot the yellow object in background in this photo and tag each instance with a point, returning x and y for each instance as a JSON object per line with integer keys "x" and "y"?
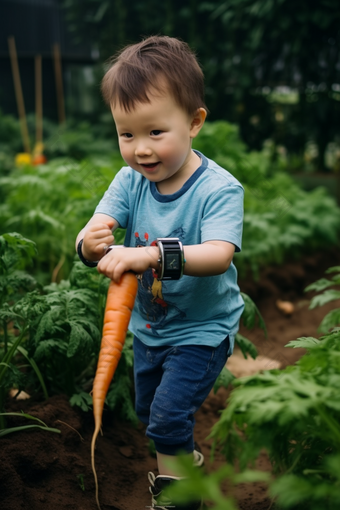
{"x": 38, "y": 149}
{"x": 23, "y": 159}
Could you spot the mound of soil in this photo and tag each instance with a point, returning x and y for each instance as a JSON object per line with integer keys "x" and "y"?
{"x": 42, "y": 470}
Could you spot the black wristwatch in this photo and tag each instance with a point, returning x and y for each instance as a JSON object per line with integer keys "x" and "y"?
{"x": 171, "y": 258}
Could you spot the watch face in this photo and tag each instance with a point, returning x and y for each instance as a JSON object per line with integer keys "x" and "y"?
{"x": 172, "y": 261}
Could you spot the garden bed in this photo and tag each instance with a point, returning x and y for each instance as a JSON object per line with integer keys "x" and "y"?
{"x": 40, "y": 469}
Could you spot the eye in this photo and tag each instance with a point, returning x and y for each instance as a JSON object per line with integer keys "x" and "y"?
{"x": 156, "y": 132}
{"x": 126, "y": 135}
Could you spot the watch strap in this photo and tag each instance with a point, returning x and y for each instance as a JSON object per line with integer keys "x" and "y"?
{"x": 88, "y": 263}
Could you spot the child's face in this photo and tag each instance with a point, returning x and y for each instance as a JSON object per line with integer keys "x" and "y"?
{"x": 155, "y": 138}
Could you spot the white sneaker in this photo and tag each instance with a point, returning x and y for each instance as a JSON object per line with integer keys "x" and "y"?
{"x": 159, "y": 502}
{"x": 198, "y": 458}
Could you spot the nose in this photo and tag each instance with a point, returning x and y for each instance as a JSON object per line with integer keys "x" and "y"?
{"x": 142, "y": 148}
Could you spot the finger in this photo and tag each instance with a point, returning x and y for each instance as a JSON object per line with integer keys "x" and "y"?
{"x": 101, "y": 267}
{"x": 98, "y": 233}
{"x": 99, "y": 226}
{"x": 107, "y": 224}
{"x": 106, "y": 266}
{"x": 110, "y": 224}
{"x": 99, "y": 244}
{"x": 118, "y": 272}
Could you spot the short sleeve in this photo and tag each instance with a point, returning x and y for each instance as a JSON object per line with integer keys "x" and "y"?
{"x": 223, "y": 216}
{"x": 115, "y": 201}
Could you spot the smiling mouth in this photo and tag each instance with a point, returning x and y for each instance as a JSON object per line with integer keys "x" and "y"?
{"x": 149, "y": 166}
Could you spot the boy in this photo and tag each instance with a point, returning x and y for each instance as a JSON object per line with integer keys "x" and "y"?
{"x": 184, "y": 214}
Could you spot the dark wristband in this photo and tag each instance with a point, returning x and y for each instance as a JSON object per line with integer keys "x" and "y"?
{"x": 88, "y": 263}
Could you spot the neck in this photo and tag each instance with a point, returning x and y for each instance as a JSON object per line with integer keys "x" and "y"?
{"x": 176, "y": 182}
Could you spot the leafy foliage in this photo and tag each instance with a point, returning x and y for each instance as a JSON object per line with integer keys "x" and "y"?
{"x": 15, "y": 253}
{"x": 65, "y": 341}
{"x": 332, "y": 319}
{"x": 224, "y": 379}
{"x": 76, "y": 140}
{"x": 59, "y": 327}
{"x": 246, "y": 346}
{"x": 247, "y": 48}
{"x": 197, "y": 484}
{"x": 10, "y": 141}
{"x": 251, "y": 315}
{"x": 294, "y": 414}
{"x": 283, "y": 43}
{"x": 51, "y": 203}
{"x": 65, "y": 336}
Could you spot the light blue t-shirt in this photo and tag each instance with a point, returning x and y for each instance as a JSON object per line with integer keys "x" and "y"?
{"x": 209, "y": 206}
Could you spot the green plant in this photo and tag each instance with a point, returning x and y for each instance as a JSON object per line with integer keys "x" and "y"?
{"x": 51, "y": 203}
{"x": 197, "y": 484}
{"x": 65, "y": 336}
{"x": 65, "y": 341}
{"x": 77, "y": 140}
{"x": 16, "y": 253}
{"x": 10, "y": 142}
{"x": 57, "y": 330}
{"x": 332, "y": 318}
{"x": 81, "y": 484}
{"x": 40, "y": 425}
{"x": 294, "y": 414}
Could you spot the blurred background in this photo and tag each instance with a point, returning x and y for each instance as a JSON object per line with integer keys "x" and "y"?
{"x": 272, "y": 67}
{"x": 272, "y": 70}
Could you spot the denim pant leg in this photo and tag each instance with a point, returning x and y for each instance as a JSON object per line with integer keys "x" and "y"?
{"x": 185, "y": 376}
{"x": 147, "y": 376}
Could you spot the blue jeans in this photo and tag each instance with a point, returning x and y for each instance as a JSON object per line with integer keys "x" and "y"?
{"x": 171, "y": 384}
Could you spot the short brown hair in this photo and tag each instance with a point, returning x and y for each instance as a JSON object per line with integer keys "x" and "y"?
{"x": 138, "y": 68}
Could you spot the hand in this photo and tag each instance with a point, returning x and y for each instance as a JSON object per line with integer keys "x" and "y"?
{"x": 119, "y": 261}
{"x": 97, "y": 238}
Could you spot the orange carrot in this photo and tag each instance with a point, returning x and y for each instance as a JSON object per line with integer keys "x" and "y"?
{"x": 119, "y": 304}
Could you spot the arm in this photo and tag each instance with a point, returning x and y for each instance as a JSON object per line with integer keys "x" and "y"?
{"x": 207, "y": 259}
{"x": 97, "y": 236}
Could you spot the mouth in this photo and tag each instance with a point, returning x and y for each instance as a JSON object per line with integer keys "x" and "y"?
{"x": 149, "y": 167}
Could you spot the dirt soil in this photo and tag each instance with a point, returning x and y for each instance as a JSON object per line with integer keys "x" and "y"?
{"x": 42, "y": 470}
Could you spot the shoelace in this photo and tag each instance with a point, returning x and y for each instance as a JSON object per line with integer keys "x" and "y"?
{"x": 152, "y": 478}
{"x": 198, "y": 462}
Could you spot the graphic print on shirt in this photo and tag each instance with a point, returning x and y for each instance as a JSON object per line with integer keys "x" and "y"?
{"x": 150, "y": 301}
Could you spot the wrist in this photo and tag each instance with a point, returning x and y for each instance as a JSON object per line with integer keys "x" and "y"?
{"x": 88, "y": 263}
{"x": 153, "y": 256}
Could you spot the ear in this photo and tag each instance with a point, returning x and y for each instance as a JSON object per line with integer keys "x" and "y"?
{"x": 197, "y": 122}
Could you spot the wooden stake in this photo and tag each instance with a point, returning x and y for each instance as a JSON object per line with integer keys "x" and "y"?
{"x": 38, "y": 101}
{"x": 59, "y": 83}
{"x": 18, "y": 94}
